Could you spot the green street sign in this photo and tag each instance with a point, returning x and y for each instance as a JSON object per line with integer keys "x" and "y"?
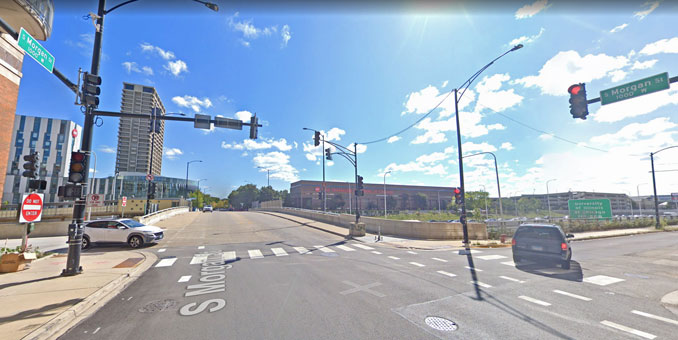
{"x": 590, "y": 209}
{"x": 35, "y": 50}
{"x": 635, "y": 88}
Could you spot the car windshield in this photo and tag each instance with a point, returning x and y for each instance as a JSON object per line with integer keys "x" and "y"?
{"x": 132, "y": 223}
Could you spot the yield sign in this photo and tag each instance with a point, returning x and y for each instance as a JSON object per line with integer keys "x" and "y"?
{"x": 31, "y": 208}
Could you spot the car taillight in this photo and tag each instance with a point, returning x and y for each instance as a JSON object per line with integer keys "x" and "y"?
{"x": 563, "y": 246}
{"x": 513, "y": 242}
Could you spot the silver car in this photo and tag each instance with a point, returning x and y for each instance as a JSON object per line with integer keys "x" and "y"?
{"x": 123, "y": 230}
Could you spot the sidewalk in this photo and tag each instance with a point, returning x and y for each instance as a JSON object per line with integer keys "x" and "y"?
{"x": 39, "y": 303}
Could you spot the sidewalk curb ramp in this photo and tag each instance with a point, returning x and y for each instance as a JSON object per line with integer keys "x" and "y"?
{"x": 67, "y": 319}
{"x": 670, "y": 301}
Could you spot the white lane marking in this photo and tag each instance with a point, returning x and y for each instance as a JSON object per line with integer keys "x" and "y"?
{"x": 130, "y": 298}
{"x": 199, "y": 258}
{"x": 412, "y": 252}
{"x": 162, "y": 250}
{"x": 302, "y": 250}
{"x": 628, "y": 329}
{"x": 474, "y": 251}
{"x": 184, "y": 278}
{"x": 484, "y": 285}
{"x": 345, "y": 248}
{"x": 509, "y": 263}
{"x": 437, "y": 259}
{"x": 511, "y": 279}
{"x": 279, "y": 251}
{"x": 393, "y": 257}
{"x": 166, "y": 262}
{"x": 583, "y": 298}
{"x": 201, "y": 247}
{"x": 255, "y": 254}
{"x": 660, "y": 318}
{"x": 491, "y": 257}
{"x": 228, "y": 256}
{"x": 324, "y": 249}
{"x": 417, "y": 264}
{"x": 446, "y": 273}
{"x": 362, "y": 246}
{"x": 533, "y": 300}
{"x": 474, "y": 268}
{"x": 375, "y": 252}
{"x": 96, "y": 330}
{"x": 602, "y": 280}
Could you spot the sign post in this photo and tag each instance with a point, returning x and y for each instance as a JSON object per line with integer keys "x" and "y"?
{"x": 35, "y": 50}
{"x": 31, "y": 211}
{"x": 590, "y": 209}
{"x": 635, "y": 88}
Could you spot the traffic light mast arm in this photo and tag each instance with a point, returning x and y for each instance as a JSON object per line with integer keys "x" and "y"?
{"x": 342, "y": 148}
{"x": 145, "y": 116}
{"x": 343, "y": 154}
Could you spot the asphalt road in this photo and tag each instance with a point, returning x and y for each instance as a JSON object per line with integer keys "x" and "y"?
{"x": 247, "y": 275}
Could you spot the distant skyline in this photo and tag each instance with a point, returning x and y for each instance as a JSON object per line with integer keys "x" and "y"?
{"x": 361, "y": 75}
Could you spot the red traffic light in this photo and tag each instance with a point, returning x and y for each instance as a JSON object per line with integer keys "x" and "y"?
{"x": 457, "y": 191}
{"x": 78, "y": 156}
{"x": 574, "y": 89}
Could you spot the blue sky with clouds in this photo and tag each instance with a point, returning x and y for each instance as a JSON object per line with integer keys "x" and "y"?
{"x": 363, "y": 74}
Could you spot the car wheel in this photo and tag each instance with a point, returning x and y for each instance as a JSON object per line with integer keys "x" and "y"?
{"x": 135, "y": 241}
{"x": 566, "y": 264}
{"x": 85, "y": 242}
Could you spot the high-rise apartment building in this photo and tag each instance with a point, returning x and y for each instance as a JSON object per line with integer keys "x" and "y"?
{"x": 135, "y": 140}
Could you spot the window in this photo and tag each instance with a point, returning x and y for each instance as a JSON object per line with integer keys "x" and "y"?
{"x": 148, "y": 89}
{"x": 61, "y": 138}
{"x": 129, "y": 87}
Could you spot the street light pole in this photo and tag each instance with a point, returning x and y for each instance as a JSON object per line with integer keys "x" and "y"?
{"x": 496, "y": 172}
{"x": 654, "y": 185}
{"x": 641, "y": 200}
{"x": 187, "y": 164}
{"x": 385, "y": 173}
{"x": 486, "y": 212}
{"x": 548, "y": 197}
{"x": 268, "y": 175}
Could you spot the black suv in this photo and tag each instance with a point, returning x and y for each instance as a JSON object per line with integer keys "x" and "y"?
{"x": 542, "y": 242}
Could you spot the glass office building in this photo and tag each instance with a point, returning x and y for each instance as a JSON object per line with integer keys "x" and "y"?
{"x": 134, "y": 185}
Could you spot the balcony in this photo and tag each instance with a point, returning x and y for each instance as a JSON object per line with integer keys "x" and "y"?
{"x": 35, "y": 16}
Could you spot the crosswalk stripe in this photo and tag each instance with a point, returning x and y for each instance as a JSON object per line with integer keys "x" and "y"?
{"x": 279, "y": 251}
{"x": 199, "y": 258}
{"x": 166, "y": 262}
{"x": 201, "y": 247}
{"x": 184, "y": 278}
{"x": 255, "y": 254}
{"x": 324, "y": 249}
{"x": 412, "y": 252}
{"x": 162, "y": 250}
{"x": 484, "y": 285}
{"x": 343, "y": 247}
{"x": 602, "y": 280}
{"x": 417, "y": 264}
{"x": 491, "y": 257}
{"x": 474, "y": 268}
{"x": 446, "y": 273}
{"x": 302, "y": 250}
{"x": 660, "y": 318}
{"x": 228, "y": 256}
{"x": 511, "y": 279}
{"x": 376, "y": 252}
{"x": 509, "y": 263}
{"x": 362, "y": 246}
{"x": 584, "y": 298}
{"x": 393, "y": 257}
{"x": 628, "y": 329}
{"x": 533, "y": 300}
{"x": 437, "y": 259}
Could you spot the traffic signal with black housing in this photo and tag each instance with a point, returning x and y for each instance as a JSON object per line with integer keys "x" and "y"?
{"x": 31, "y": 165}
{"x": 154, "y": 125}
{"x": 320, "y": 195}
{"x": 70, "y": 191}
{"x": 77, "y": 169}
{"x": 90, "y": 90}
{"x": 328, "y": 154}
{"x": 457, "y": 195}
{"x": 254, "y": 125}
{"x": 579, "y": 107}
{"x": 316, "y": 138}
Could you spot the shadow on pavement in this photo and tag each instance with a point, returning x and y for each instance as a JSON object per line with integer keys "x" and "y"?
{"x": 12, "y": 284}
{"x": 552, "y": 270}
{"x": 39, "y": 312}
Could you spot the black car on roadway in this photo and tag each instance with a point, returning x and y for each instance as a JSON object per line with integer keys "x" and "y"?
{"x": 542, "y": 243}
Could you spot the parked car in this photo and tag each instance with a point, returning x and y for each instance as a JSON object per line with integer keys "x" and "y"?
{"x": 542, "y": 242}
{"x": 129, "y": 231}
{"x": 207, "y": 208}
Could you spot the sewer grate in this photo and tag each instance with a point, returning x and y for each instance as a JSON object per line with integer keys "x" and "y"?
{"x": 158, "y": 306}
{"x": 441, "y": 324}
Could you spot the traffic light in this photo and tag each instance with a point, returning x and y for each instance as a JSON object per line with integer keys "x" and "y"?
{"x": 320, "y": 195}
{"x": 31, "y": 165}
{"x": 78, "y": 167}
{"x": 328, "y": 154}
{"x": 579, "y": 108}
{"x": 70, "y": 191}
{"x": 254, "y": 124}
{"x": 90, "y": 90}
{"x": 360, "y": 183}
{"x": 457, "y": 195}
{"x": 151, "y": 191}
{"x": 316, "y": 138}
{"x": 154, "y": 125}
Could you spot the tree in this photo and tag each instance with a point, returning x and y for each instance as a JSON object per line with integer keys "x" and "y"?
{"x": 267, "y": 194}
{"x": 243, "y": 197}
{"x": 526, "y": 205}
{"x": 420, "y": 201}
{"x": 405, "y": 201}
{"x": 391, "y": 202}
{"x": 335, "y": 202}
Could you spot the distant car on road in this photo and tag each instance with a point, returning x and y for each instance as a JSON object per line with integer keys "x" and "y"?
{"x": 207, "y": 208}
{"x": 129, "y": 231}
{"x": 542, "y": 242}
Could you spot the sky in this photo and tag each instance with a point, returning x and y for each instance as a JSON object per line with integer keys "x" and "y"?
{"x": 361, "y": 73}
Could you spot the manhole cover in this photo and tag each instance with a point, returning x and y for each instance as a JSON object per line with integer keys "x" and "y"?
{"x": 158, "y": 306}
{"x": 440, "y": 324}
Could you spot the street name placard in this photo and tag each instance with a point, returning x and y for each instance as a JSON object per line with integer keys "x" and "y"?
{"x": 35, "y": 50}
{"x": 635, "y": 88}
{"x": 590, "y": 209}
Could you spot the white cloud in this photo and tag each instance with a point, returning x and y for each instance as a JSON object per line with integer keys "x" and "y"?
{"x": 491, "y": 97}
{"x": 635, "y": 131}
{"x": 661, "y": 46}
{"x": 278, "y": 163}
{"x": 192, "y": 102}
{"x": 173, "y": 153}
{"x": 644, "y": 65}
{"x": 244, "y": 154}
{"x": 286, "y": 34}
{"x": 545, "y": 136}
{"x": 435, "y": 131}
{"x": 425, "y": 100}
{"x": 618, "y": 28}
{"x": 106, "y": 149}
{"x": 529, "y": 11}
{"x": 652, "y": 5}
{"x": 147, "y": 70}
{"x": 470, "y": 147}
{"x": 131, "y": 66}
{"x": 617, "y": 75}
{"x": 437, "y": 169}
{"x": 243, "y": 115}
{"x": 507, "y": 146}
{"x": 360, "y": 149}
{"x": 176, "y": 67}
{"x": 333, "y": 134}
{"x": 393, "y": 139}
{"x": 445, "y": 83}
{"x": 167, "y": 55}
{"x": 539, "y": 161}
{"x": 526, "y": 39}
{"x": 568, "y": 67}
{"x": 637, "y": 106}
{"x": 250, "y": 144}
{"x": 251, "y": 32}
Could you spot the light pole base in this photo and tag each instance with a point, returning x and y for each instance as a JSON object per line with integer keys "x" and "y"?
{"x": 356, "y": 229}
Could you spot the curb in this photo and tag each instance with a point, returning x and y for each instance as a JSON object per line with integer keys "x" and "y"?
{"x": 617, "y": 235}
{"x": 307, "y": 224}
{"x": 61, "y": 323}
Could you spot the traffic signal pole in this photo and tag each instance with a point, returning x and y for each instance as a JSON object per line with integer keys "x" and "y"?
{"x": 462, "y": 218}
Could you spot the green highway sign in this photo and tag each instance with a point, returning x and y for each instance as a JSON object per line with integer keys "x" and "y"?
{"x": 35, "y": 50}
{"x": 635, "y": 88}
{"x": 590, "y": 209}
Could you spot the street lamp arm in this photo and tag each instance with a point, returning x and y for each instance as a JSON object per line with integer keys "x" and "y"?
{"x": 468, "y": 82}
{"x": 666, "y": 148}
{"x": 480, "y": 153}
{"x": 209, "y": 5}
{"x": 119, "y": 5}
{"x": 345, "y": 156}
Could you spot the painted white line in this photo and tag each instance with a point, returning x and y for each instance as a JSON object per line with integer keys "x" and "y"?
{"x": 660, "y": 318}
{"x": 583, "y": 298}
{"x": 96, "y": 330}
{"x": 228, "y": 256}
{"x": 509, "y": 263}
{"x": 130, "y": 298}
{"x": 166, "y": 262}
{"x": 491, "y": 257}
{"x": 279, "y": 251}
{"x": 345, "y": 248}
{"x": 362, "y": 246}
{"x": 375, "y": 252}
{"x": 255, "y": 254}
{"x": 511, "y": 279}
{"x": 302, "y": 250}
{"x": 394, "y": 258}
{"x": 324, "y": 249}
{"x": 161, "y": 250}
{"x": 628, "y": 329}
{"x": 412, "y": 252}
{"x": 437, "y": 259}
{"x": 484, "y": 285}
{"x": 533, "y": 300}
{"x": 446, "y": 273}
{"x": 475, "y": 251}
{"x": 184, "y": 278}
{"x": 201, "y": 247}
{"x": 417, "y": 264}
{"x": 474, "y": 268}
{"x": 602, "y": 280}
{"x": 199, "y": 258}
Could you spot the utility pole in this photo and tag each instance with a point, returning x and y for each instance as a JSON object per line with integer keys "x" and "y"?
{"x": 324, "y": 191}
{"x": 548, "y": 197}
{"x": 386, "y": 173}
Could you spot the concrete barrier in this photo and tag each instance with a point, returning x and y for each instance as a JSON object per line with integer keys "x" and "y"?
{"x": 418, "y": 230}
{"x": 42, "y": 229}
{"x": 161, "y": 215}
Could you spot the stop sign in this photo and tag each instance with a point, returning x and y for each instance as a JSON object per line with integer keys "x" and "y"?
{"x": 31, "y": 208}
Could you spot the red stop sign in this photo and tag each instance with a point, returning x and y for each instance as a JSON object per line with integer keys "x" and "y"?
{"x": 31, "y": 208}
